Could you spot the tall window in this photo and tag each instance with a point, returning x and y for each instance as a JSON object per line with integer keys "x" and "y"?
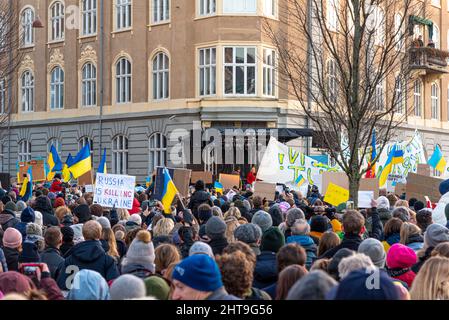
{"x": 157, "y": 151}
{"x": 89, "y": 14}
{"x": 57, "y": 89}
{"x": 379, "y": 97}
{"x": 123, "y": 81}
{"x": 417, "y": 97}
{"x": 89, "y": 85}
{"x": 436, "y": 36}
{"x": 2, "y": 95}
{"x": 57, "y": 21}
{"x": 56, "y": 143}
{"x": 27, "y": 84}
{"x": 120, "y": 155}
{"x": 123, "y": 14}
{"x": 3, "y": 165}
{"x": 239, "y": 6}
{"x": 398, "y": 87}
{"x": 206, "y": 7}
{"x": 332, "y": 14}
{"x": 161, "y": 10}
{"x": 435, "y": 100}
{"x": 379, "y": 36}
{"x": 332, "y": 80}
{"x": 269, "y": 7}
{"x": 207, "y": 72}
{"x": 27, "y": 27}
{"x": 399, "y": 31}
{"x": 240, "y": 70}
{"x": 86, "y": 140}
{"x": 24, "y": 153}
{"x": 161, "y": 76}
{"x": 269, "y": 72}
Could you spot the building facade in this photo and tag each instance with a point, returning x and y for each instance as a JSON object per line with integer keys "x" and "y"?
{"x": 166, "y": 65}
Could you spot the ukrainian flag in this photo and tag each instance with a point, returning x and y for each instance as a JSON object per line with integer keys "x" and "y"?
{"x": 82, "y": 163}
{"x": 54, "y": 163}
{"x": 102, "y": 167}
{"x": 66, "y": 175}
{"x": 437, "y": 160}
{"x": 169, "y": 192}
{"x": 148, "y": 182}
{"x": 27, "y": 187}
{"x": 387, "y": 168}
{"x": 218, "y": 187}
{"x": 300, "y": 180}
{"x": 398, "y": 156}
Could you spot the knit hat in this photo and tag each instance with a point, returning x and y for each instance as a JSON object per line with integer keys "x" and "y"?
{"x": 51, "y": 195}
{"x": 21, "y": 205}
{"x": 12, "y": 238}
{"x": 137, "y": 219}
{"x": 201, "y": 248}
{"x": 14, "y": 282}
{"x": 319, "y": 224}
{"x": 77, "y": 233}
{"x": 353, "y": 287}
{"x": 59, "y": 202}
{"x": 418, "y": 206}
{"x": 400, "y": 256}
{"x": 33, "y": 229}
{"x": 11, "y": 206}
{"x": 263, "y": 220}
{"x": 89, "y": 285}
{"x": 127, "y": 287}
{"x": 248, "y": 233}
{"x": 444, "y": 187}
{"x": 284, "y": 206}
{"x": 215, "y": 228}
{"x": 38, "y": 218}
{"x": 293, "y": 215}
{"x": 82, "y": 212}
{"x": 67, "y": 234}
{"x": 204, "y": 214}
{"x": 272, "y": 240}
{"x": 247, "y": 205}
{"x": 276, "y": 215}
{"x": 27, "y": 215}
{"x": 199, "y": 272}
{"x": 332, "y": 268}
{"x": 383, "y": 203}
{"x": 157, "y": 287}
{"x": 67, "y": 220}
{"x": 141, "y": 251}
{"x": 30, "y": 253}
{"x": 104, "y": 222}
{"x": 435, "y": 234}
{"x": 374, "y": 249}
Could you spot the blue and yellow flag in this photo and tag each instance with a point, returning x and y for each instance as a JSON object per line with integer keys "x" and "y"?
{"x": 102, "y": 167}
{"x": 388, "y": 167}
{"x": 82, "y": 163}
{"x": 27, "y": 186}
{"x": 66, "y": 175}
{"x": 169, "y": 192}
{"x": 54, "y": 163}
{"x": 218, "y": 187}
{"x": 148, "y": 182}
{"x": 398, "y": 156}
{"x": 300, "y": 180}
{"x": 437, "y": 160}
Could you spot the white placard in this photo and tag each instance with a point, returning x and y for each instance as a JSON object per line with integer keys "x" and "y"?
{"x": 114, "y": 191}
{"x": 365, "y": 198}
{"x": 89, "y": 188}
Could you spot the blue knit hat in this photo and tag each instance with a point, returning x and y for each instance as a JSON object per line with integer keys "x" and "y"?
{"x": 199, "y": 272}
{"x": 27, "y": 215}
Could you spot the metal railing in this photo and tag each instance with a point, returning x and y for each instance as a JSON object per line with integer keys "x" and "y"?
{"x": 428, "y": 57}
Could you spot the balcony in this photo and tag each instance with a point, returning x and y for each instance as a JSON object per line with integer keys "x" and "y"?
{"x": 429, "y": 61}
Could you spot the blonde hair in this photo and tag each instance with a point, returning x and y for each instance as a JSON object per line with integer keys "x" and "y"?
{"x": 61, "y": 212}
{"x": 108, "y": 235}
{"x": 163, "y": 227}
{"x": 232, "y": 212}
{"x": 231, "y": 224}
{"x": 408, "y": 229}
{"x": 165, "y": 255}
{"x": 401, "y": 203}
{"x": 123, "y": 214}
{"x": 432, "y": 281}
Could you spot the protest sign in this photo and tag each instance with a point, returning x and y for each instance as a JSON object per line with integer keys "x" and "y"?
{"x": 114, "y": 190}
{"x": 180, "y": 177}
{"x": 419, "y": 186}
{"x": 283, "y": 164}
{"x": 86, "y": 179}
{"x": 265, "y": 190}
{"x": 89, "y": 188}
{"x": 336, "y": 195}
{"x": 38, "y": 170}
{"x": 231, "y": 194}
{"x": 423, "y": 169}
{"x": 400, "y": 189}
{"x": 206, "y": 176}
{"x": 340, "y": 178}
{"x": 229, "y": 180}
{"x": 365, "y": 198}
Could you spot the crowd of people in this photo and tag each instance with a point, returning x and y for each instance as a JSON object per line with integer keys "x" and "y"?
{"x": 60, "y": 245}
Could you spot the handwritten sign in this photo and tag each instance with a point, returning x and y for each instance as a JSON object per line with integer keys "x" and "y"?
{"x": 365, "y": 198}
{"x": 336, "y": 195}
{"x": 114, "y": 191}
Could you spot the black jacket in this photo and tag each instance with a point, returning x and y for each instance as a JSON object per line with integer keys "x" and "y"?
{"x": 377, "y": 226}
{"x": 218, "y": 245}
{"x": 198, "y": 198}
{"x": 87, "y": 255}
{"x": 350, "y": 242}
{"x": 49, "y": 219}
{"x": 416, "y": 267}
{"x": 265, "y": 272}
{"x": 7, "y": 220}
{"x": 52, "y": 257}
{"x": 65, "y": 248}
{"x": 12, "y": 258}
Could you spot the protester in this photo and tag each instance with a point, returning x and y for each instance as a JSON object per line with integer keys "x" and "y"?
{"x": 431, "y": 283}
{"x": 52, "y": 255}
{"x": 89, "y": 285}
{"x": 127, "y": 287}
{"x": 316, "y": 285}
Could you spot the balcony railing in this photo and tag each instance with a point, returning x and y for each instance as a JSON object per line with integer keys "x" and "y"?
{"x": 429, "y": 58}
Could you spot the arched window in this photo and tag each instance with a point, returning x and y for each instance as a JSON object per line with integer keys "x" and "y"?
{"x": 123, "y": 14}
{"x": 89, "y": 14}
{"x": 27, "y": 84}
{"x": 120, "y": 155}
{"x": 379, "y": 37}
{"x": 57, "y": 89}
{"x": 332, "y": 14}
{"x": 399, "y": 96}
{"x": 379, "y": 96}
{"x": 158, "y": 151}
{"x": 417, "y": 97}
{"x": 123, "y": 81}
{"x": 436, "y": 36}
{"x": 27, "y": 19}
{"x": 435, "y": 100}
{"x": 86, "y": 140}
{"x": 89, "y": 85}
{"x": 332, "y": 80}
{"x": 161, "y": 76}
{"x": 399, "y": 31}
{"x": 56, "y": 143}
{"x": 57, "y": 21}
{"x": 24, "y": 153}
{"x": 161, "y": 10}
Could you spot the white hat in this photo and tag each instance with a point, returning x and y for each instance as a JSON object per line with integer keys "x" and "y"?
{"x": 38, "y": 218}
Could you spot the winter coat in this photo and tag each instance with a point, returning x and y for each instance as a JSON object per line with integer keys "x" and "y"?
{"x": 265, "y": 272}
{"x": 3, "y": 261}
{"x": 385, "y": 215}
{"x": 308, "y": 244}
{"x": 350, "y": 241}
{"x": 121, "y": 248}
{"x": 415, "y": 242}
{"x": 377, "y": 228}
{"x": 271, "y": 290}
{"x": 218, "y": 245}
{"x": 422, "y": 259}
{"x": 8, "y": 219}
{"x": 52, "y": 257}
{"x": 88, "y": 255}
{"x": 391, "y": 240}
{"x": 405, "y": 275}
{"x": 137, "y": 269}
{"x": 198, "y": 198}
{"x": 65, "y": 248}
{"x": 12, "y": 258}
{"x": 43, "y": 205}
{"x": 222, "y": 294}
{"x": 56, "y": 186}
{"x": 257, "y": 294}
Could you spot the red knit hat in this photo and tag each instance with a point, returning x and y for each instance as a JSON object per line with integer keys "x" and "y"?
{"x": 59, "y": 202}
{"x": 400, "y": 256}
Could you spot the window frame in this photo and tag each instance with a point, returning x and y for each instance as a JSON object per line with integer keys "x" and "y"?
{"x": 245, "y": 65}
{"x": 123, "y": 80}
{"x": 56, "y": 142}
{"x": 204, "y": 4}
{"x": 82, "y": 142}
{"x": 399, "y": 92}
{"x": 57, "y": 89}
{"x": 123, "y": 7}
{"x": 269, "y": 69}
{"x": 208, "y": 69}
{"x": 24, "y": 151}
{"x": 434, "y": 101}
{"x": 155, "y": 153}
{"x": 160, "y": 76}
{"x": 160, "y": 17}
{"x": 2, "y": 96}
{"x": 255, "y": 12}
{"x": 57, "y": 21}
{"x": 28, "y": 91}
{"x": 89, "y": 17}
{"x": 332, "y": 15}
{"x": 120, "y": 154}
{"x": 27, "y": 30}
{"x": 91, "y": 82}
{"x": 417, "y": 98}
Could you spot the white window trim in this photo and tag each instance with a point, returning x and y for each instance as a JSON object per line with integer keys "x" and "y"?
{"x": 82, "y": 143}
{"x": 160, "y": 72}
{"x": 52, "y": 21}
{"x": 24, "y": 151}
{"x": 155, "y": 151}
{"x": 123, "y": 77}
{"x": 89, "y": 81}
{"x": 118, "y": 5}
{"x": 207, "y": 68}
{"x": 60, "y": 86}
{"x": 332, "y": 15}
{"x": 417, "y": 97}
{"x": 124, "y": 154}
{"x": 2, "y": 96}
{"x": 28, "y": 89}
{"x": 437, "y": 36}
{"x": 399, "y": 90}
{"x": 204, "y": 2}
{"x": 55, "y": 142}
{"x": 23, "y": 44}
{"x": 165, "y": 20}
{"x": 225, "y": 64}
{"x": 83, "y": 12}
{"x": 266, "y": 68}
{"x": 435, "y": 99}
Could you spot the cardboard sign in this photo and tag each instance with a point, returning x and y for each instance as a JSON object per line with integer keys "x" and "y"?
{"x": 89, "y": 188}
{"x": 365, "y": 198}
{"x": 424, "y": 170}
{"x": 336, "y": 195}
{"x": 181, "y": 179}
{"x": 86, "y": 179}
{"x": 340, "y": 179}
{"x": 38, "y": 170}
{"x": 113, "y": 190}
{"x": 206, "y": 176}
{"x": 400, "y": 188}
{"x": 419, "y": 186}
{"x": 265, "y": 190}
{"x": 229, "y": 180}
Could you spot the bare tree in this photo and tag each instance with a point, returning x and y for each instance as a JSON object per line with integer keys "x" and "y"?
{"x": 340, "y": 59}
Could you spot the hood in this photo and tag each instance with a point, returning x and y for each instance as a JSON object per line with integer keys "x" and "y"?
{"x": 134, "y": 265}
{"x": 303, "y": 241}
{"x": 415, "y": 238}
{"x": 136, "y": 207}
{"x": 6, "y": 216}
{"x": 88, "y": 251}
{"x": 384, "y": 214}
{"x": 89, "y": 285}
{"x": 266, "y": 269}
{"x": 201, "y": 195}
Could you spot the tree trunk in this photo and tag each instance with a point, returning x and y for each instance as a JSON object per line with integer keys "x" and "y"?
{"x": 354, "y": 185}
